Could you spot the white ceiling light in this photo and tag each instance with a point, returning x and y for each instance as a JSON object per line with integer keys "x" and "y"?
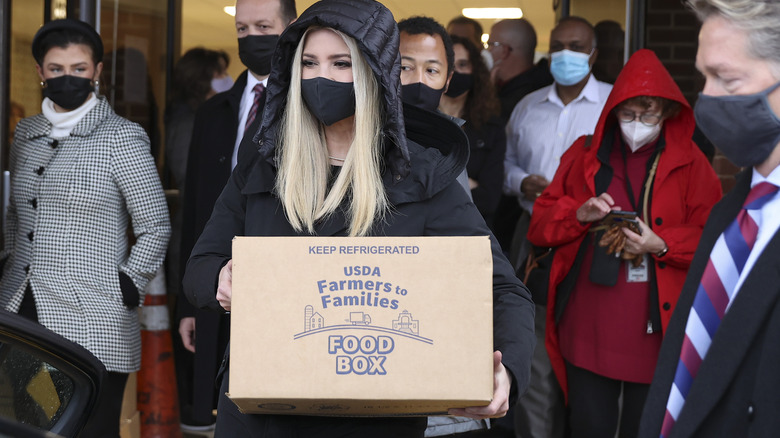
{"x": 494, "y": 13}
{"x": 230, "y": 10}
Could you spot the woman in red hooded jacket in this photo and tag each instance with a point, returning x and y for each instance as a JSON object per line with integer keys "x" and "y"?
{"x": 608, "y": 305}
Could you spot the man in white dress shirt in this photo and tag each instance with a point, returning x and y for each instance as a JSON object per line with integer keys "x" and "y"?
{"x": 542, "y": 127}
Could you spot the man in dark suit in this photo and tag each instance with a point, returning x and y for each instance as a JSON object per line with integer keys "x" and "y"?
{"x": 718, "y": 372}
{"x": 220, "y": 124}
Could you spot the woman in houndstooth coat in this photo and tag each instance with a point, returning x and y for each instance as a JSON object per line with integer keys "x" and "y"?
{"x": 80, "y": 174}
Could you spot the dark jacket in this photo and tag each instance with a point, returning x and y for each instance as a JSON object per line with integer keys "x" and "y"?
{"x": 683, "y": 191}
{"x": 519, "y": 86}
{"x": 486, "y": 164}
{"x": 179, "y": 120}
{"x": 208, "y": 162}
{"x": 737, "y": 389}
{"x": 208, "y": 169}
{"x": 422, "y": 160}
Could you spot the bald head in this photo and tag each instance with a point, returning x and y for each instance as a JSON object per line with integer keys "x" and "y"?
{"x": 518, "y": 34}
{"x": 573, "y": 33}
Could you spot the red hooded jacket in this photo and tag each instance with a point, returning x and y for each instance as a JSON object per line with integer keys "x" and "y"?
{"x": 684, "y": 190}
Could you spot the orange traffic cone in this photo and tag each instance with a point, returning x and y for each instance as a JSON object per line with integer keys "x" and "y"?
{"x": 158, "y": 401}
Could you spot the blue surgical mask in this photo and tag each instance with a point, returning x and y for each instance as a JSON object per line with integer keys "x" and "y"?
{"x": 569, "y": 68}
{"x": 743, "y": 127}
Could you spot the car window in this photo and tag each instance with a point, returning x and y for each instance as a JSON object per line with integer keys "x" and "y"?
{"x": 32, "y": 391}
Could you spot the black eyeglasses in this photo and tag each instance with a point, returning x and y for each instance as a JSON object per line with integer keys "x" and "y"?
{"x": 648, "y": 119}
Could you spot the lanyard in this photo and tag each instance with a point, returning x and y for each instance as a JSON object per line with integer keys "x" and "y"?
{"x": 645, "y": 194}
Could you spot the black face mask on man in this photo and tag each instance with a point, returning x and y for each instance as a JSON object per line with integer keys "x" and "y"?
{"x": 68, "y": 91}
{"x": 459, "y": 84}
{"x": 743, "y": 127}
{"x": 329, "y": 101}
{"x": 421, "y": 96}
{"x": 255, "y": 52}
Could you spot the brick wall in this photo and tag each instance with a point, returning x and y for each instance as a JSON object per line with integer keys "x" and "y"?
{"x": 672, "y": 33}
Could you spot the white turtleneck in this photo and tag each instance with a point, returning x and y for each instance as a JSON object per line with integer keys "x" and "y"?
{"x": 63, "y": 123}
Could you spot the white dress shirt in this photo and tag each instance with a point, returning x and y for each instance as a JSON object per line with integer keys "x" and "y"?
{"x": 768, "y": 220}
{"x": 247, "y": 99}
{"x": 542, "y": 128}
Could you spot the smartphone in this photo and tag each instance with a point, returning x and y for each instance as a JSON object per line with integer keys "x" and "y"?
{"x": 623, "y": 219}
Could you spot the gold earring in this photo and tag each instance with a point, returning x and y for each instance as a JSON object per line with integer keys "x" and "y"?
{"x": 43, "y": 84}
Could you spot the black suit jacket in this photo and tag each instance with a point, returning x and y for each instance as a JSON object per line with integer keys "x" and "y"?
{"x": 208, "y": 170}
{"x": 737, "y": 390}
{"x": 208, "y": 163}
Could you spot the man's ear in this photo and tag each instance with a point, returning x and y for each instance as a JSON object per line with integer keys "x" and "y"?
{"x": 449, "y": 78}
{"x": 593, "y": 57}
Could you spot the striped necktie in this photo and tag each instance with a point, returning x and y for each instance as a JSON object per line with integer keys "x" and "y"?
{"x": 258, "y": 90}
{"x": 715, "y": 292}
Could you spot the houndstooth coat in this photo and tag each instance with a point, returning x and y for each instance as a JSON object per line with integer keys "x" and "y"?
{"x": 66, "y": 234}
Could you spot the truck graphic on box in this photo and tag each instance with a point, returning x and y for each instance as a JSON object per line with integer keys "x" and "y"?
{"x": 359, "y": 318}
{"x": 404, "y": 325}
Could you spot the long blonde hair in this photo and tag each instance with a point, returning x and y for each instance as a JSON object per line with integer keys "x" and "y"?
{"x": 302, "y": 179}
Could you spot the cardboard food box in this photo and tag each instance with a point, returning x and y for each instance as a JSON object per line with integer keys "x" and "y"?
{"x": 370, "y": 326}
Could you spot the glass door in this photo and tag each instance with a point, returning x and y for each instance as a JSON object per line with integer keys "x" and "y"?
{"x": 134, "y": 66}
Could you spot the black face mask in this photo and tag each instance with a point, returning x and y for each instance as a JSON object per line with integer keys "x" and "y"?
{"x": 459, "y": 84}
{"x": 421, "y": 96}
{"x": 329, "y": 101}
{"x": 255, "y": 52}
{"x": 67, "y": 91}
{"x": 744, "y": 127}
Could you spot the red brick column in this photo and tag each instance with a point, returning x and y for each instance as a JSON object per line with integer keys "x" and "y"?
{"x": 671, "y": 31}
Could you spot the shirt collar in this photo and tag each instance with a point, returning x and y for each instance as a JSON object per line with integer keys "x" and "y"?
{"x": 251, "y": 81}
{"x": 590, "y": 92}
{"x": 773, "y": 177}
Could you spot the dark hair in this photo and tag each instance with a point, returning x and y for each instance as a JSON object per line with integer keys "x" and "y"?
{"x": 63, "y": 33}
{"x": 478, "y": 31}
{"x": 192, "y": 75}
{"x": 429, "y": 26}
{"x": 287, "y": 11}
{"x": 225, "y": 57}
{"x": 481, "y": 104}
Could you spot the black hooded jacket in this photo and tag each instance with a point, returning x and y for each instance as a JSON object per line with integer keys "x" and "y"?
{"x": 423, "y": 157}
